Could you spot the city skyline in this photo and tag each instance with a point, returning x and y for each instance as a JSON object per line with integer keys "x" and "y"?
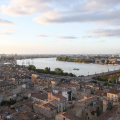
{"x": 59, "y": 27}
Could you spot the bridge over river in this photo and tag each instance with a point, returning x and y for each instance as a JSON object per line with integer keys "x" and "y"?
{"x": 104, "y": 73}
{"x": 95, "y": 76}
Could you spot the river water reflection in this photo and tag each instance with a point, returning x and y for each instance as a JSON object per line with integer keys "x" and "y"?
{"x": 84, "y": 69}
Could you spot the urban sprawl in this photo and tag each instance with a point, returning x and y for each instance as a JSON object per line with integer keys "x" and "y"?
{"x": 28, "y": 94}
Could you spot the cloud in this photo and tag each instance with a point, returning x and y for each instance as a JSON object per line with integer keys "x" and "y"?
{"x": 66, "y": 37}
{"x": 99, "y": 4}
{"x": 100, "y": 41}
{"x": 41, "y": 36}
{"x": 105, "y": 12}
{"x": 5, "y": 22}
{"x": 105, "y": 33}
{"x": 96, "y": 11}
{"x": 25, "y": 7}
{"x": 104, "y": 18}
{"x": 6, "y": 31}
{"x": 87, "y": 36}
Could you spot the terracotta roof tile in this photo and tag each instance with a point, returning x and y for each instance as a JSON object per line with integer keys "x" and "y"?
{"x": 70, "y": 116}
{"x": 106, "y": 115}
{"x": 114, "y": 91}
{"x": 58, "y": 95}
{"x": 42, "y": 96}
{"x": 26, "y": 108}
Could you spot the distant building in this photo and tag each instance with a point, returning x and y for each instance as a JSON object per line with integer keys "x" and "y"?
{"x": 113, "y": 55}
{"x": 15, "y": 58}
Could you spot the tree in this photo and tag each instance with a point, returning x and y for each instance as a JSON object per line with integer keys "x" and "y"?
{"x": 93, "y": 81}
{"x": 47, "y": 70}
{"x": 105, "y": 83}
{"x": 31, "y": 67}
{"x": 81, "y": 76}
{"x": 65, "y": 73}
{"x": 62, "y": 80}
{"x": 103, "y": 78}
{"x": 114, "y": 78}
{"x": 65, "y": 58}
{"x": 107, "y": 62}
{"x": 72, "y": 75}
{"x": 58, "y": 71}
{"x": 39, "y": 70}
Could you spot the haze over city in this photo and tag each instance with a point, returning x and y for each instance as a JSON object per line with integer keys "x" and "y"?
{"x": 59, "y": 26}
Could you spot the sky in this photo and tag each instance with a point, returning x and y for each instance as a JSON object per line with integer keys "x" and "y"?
{"x": 59, "y": 26}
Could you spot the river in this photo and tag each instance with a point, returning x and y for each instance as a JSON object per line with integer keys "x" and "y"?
{"x": 84, "y": 69}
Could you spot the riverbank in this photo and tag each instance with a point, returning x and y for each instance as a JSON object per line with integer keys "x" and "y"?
{"x": 42, "y": 63}
{"x": 66, "y": 59}
{"x": 47, "y": 70}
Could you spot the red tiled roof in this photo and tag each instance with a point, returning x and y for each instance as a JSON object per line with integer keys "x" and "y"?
{"x": 58, "y": 95}
{"x": 81, "y": 100}
{"x": 106, "y": 115}
{"x": 114, "y": 91}
{"x": 101, "y": 93}
{"x": 54, "y": 101}
{"x": 42, "y": 96}
{"x": 70, "y": 116}
{"x": 20, "y": 116}
{"x": 48, "y": 105}
{"x": 26, "y": 108}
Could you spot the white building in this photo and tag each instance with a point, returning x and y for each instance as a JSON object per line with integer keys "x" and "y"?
{"x": 119, "y": 54}
{"x": 113, "y": 55}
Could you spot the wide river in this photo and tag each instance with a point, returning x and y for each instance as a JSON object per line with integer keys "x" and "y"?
{"x": 84, "y": 69}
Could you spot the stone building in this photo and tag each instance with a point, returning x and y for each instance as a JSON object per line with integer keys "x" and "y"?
{"x": 67, "y": 116}
{"x": 113, "y": 95}
{"x": 45, "y": 108}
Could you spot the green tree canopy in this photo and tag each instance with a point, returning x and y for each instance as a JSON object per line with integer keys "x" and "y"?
{"x": 31, "y": 67}
{"x": 103, "y": 78}
{"x": 58, "y": 71}
{"x": 114, "y": 78}
{"x": 47, "y": 70}
{"x": 105, "y": 83}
